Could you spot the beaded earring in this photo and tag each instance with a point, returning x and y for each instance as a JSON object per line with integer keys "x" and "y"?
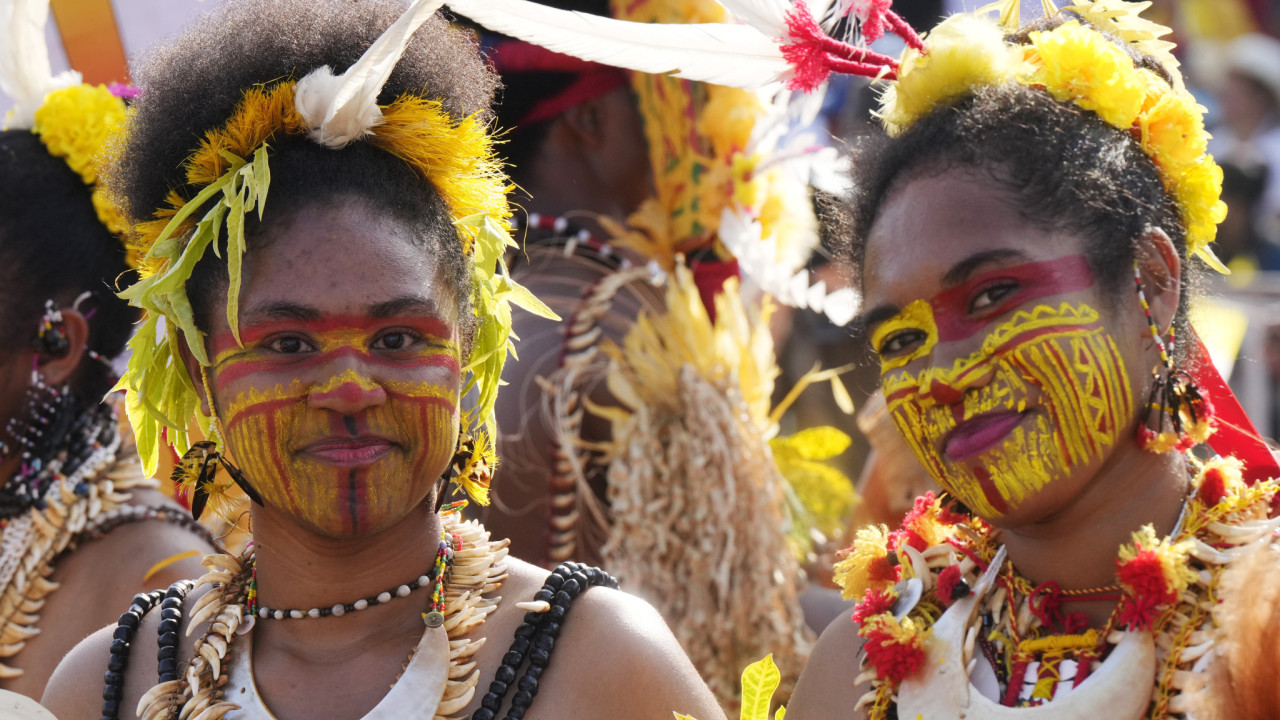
{"x": 470, "y": 470}
{"x": 45, "y": 416}
{"x": 1178, "y": 416}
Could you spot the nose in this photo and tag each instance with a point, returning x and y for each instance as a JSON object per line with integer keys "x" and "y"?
{"x": 947, "y": 386}
{"x": 347, "y": 393}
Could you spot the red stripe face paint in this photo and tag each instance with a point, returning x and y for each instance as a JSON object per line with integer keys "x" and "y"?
{"x": 346, "y": 423}
{"x": 1046, "y": 393}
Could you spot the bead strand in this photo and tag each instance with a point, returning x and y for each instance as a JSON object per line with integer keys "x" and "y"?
{"x": 121, "y": 642}
{"x": 170, "y": 624}
{"x": 434, "y": 578}
{"x": 536, "y": 638}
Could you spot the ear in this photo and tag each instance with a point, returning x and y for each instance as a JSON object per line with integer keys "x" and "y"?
{"x": 58, "y": 369}
{"x": 193, "y": 371}
{"x": 1161, "y": 271}
{"x": 585, "y": 122}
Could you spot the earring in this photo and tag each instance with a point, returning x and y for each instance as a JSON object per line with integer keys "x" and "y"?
{"x": 1178, "y": 416}
{"x": 471, "y": 470}
{"x": 51, "y": 340}
{"x": 43, "y": 421}
{"x": 197, "y": 470}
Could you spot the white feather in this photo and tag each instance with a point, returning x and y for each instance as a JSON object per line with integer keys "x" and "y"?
{"x": 25, "y": 74}
{"x": 343, "y": 108}
{"x": 720, "y": 53}
{"x": 770, "y": 16}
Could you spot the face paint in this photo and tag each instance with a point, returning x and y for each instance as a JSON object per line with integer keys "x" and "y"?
{"x": 1047, "y": 391}
{"x": 345, "y": 453}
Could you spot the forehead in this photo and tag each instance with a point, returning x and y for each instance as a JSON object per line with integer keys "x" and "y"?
{"x": 340, "y": 259}
{"x": 930, "y": 225}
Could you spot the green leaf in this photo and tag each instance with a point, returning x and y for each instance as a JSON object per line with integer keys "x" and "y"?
{"x": 759, "y": 680}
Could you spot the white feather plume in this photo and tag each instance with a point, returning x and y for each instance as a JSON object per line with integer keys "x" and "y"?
{"x": 343, "y": 108}
{"x": 25, "y": 73}
{"x": 721, "y": 53}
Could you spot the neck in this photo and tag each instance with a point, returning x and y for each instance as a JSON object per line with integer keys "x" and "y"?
{"x": 300, "y": 570}
{"x": 1077, "y": 546}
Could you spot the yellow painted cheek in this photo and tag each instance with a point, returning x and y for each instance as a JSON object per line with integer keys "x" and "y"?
{"x": 1058, "y": 358}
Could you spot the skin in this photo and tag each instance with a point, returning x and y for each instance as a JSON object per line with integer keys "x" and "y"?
{"x": 113, "y": 568}
{"x": 1070, "y": 529}
{"x": 340, "y": 667}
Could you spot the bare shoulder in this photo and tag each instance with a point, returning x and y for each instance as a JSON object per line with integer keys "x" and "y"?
{"x": 615, "y": 657}
{"x": 825, "y": 689}
{"x": 76, "y": 688}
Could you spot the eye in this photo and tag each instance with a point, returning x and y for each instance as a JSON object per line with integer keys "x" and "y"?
{"x": 991, "y": 294}
{"x": 290, "y": 345}
{"x": 392, "y": 341}
{"x": 900, "y": 341}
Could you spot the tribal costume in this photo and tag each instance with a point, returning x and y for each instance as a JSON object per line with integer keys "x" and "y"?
{"x": 664, "y": 463}
{"x": 227, "y": 180}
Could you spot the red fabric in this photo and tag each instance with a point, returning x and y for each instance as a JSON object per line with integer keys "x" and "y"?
{"x": 1235, "y": 435}
{"x": 710, "y": 277}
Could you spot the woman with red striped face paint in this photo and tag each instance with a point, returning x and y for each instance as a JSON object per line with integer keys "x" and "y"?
{"x": 1026, "y": 236}
{"x": 322, "y": 220}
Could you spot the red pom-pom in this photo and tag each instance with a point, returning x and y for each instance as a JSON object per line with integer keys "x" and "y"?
{"x": 893, "y": 660}
{"x": 874, "y": 602}
{"x": 1147, "y": 590}
{"x": 947, "y": 581}
{"x": 1213, "y": 487}
{"x": 882, "y": 570}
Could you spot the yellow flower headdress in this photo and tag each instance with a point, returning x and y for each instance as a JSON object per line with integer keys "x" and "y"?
{"x": 72, "y": 119}
{"x": 1077, "y": 64}
{"x": 232, "y": 166}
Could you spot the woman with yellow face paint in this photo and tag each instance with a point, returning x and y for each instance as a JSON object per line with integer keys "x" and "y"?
{"x": 1026, "y": 235}
{"x": 326, "y": 258}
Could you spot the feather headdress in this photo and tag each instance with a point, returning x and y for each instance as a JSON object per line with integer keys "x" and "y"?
{"x": 780, "y": 40}
{"x": 232, "y": 166}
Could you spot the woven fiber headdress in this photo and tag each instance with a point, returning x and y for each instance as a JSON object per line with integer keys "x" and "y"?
{"x": 232, "y": 166}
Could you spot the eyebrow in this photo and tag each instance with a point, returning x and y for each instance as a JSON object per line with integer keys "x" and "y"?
{"x": 966, "y": 267}
{"x": 280, "y": 311}
{"x": 405, "y": 305}
{"x": 875, "y": 316}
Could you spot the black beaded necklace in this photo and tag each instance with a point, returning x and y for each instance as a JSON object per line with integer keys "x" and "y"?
{"x": 536, "y": 638}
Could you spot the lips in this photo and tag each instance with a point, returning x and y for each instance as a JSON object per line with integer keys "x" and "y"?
{"x": 977, "y": 434}
{"x": 349, "y": 452}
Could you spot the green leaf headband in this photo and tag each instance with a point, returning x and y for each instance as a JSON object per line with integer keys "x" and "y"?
{"x": 232, "y": 167}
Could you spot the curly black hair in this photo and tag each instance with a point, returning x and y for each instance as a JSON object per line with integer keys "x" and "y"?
{"x": 193, "y": 85}
{"x": 1067, "y": 166}
{"x": 54, "y": 247}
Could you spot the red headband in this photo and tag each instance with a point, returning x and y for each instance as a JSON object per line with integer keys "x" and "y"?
{"x": 593, "y": 79}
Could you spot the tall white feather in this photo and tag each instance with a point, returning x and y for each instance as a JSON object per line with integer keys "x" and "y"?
{"x": 343, "y": 108}
{"x": 724, "y": 54}
{"x": 25, "y": 73}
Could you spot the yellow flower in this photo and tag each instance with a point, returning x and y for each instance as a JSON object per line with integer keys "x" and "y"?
{"x": 1199, "y": 191}
{"x": 861, "y": 566}
{"x": 75, "y": 122}
{"x": 964, "y": 51}
{"x": 1173, "y": 130}
{"x": 1077, "y": 64}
